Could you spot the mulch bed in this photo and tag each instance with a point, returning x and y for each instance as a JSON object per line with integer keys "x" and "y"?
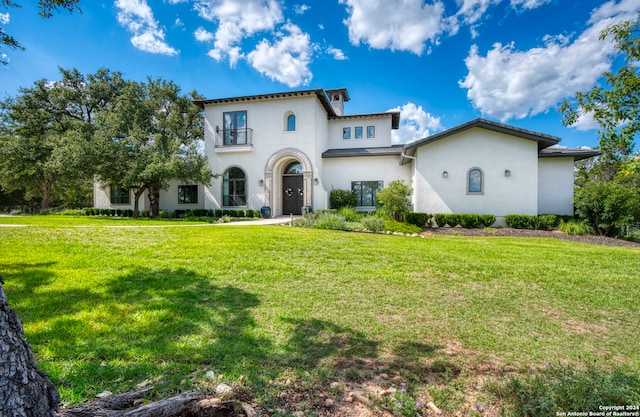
{"x": 507, "y": 231}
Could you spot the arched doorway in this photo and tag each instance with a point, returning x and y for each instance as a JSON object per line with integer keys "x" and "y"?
{"x": 282, "y": 165}
{"x": 292, "y": 189}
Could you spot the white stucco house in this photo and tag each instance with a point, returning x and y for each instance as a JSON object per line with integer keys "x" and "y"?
{"x": 288, "y": 150}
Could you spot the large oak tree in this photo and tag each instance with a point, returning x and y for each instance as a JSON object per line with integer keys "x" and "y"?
{"x": 47, "y": 132}
{"x": 153, "y": 135}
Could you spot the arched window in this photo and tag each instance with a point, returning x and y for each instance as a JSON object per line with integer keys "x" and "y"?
{"x": 233, "y": 188}
{"x": 291, "y": 123}
{"x": 475, "y": 181}
{"x": 294, "y": 168}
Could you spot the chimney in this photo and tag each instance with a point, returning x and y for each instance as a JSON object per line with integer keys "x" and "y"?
{"x": 337, "y": 97}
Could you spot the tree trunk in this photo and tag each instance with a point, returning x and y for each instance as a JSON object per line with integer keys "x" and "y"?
{"x": 25, "y": 390}
{"x": 154, "y": 201}
{"x": 47, "y": 187}
{"x": 136, "y": 202}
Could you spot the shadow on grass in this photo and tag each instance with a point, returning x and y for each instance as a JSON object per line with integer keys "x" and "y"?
{"x": 171, "y": 327}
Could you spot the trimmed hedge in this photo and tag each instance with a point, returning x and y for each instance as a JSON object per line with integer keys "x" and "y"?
{"x": 528, "y": 221}
{"x": 417, "y": 219}
{"x": 342, "y": 198}
{"x": 466, "y": 220}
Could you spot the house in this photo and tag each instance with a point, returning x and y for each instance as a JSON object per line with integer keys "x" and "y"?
{"x": 288, "y": 150}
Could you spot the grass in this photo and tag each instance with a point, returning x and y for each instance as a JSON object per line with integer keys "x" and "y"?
{"x": 105, "y": 308}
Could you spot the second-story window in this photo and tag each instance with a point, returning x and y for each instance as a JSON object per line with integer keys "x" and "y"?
{"x": 346, "y": 133}
{"x": 291, "y": 123}
{"x": 358, "y": 132}
{"x": 235, "y": 128}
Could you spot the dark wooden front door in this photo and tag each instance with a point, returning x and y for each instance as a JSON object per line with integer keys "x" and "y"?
{"x": 292, "y": 194}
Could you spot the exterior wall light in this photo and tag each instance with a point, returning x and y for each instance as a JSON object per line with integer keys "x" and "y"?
{"x": 445, "y": 174}
{"x": 507, "y": 173}
{"x": 315, "y": 181}
{"x": 260, "y": 183}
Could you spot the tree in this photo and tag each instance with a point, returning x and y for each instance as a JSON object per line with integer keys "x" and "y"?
{"x": 607, "y": 206}
{"x": 394, "y": 199}
{"x": 46, "y": 10}
{"x": 47, "y": 132}
{"x": 616, "y": 106}
{"x": 24, "y": 389}
{"x": 151, "y": 136}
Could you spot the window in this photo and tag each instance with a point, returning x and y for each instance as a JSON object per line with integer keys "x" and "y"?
{"x": 235, "y": 128}
{"x": 358, "y": 132}
{"x": 187, "y": 194}
{"x": 475, "y": 181}
{"x": 346, "y": 133}
{"x": 294, "y": 168}
{"x": 120, "y": 195}
{"x": 366, "y": 192}
{"x": 233, "y": 188}
{"x": 371, "y": 132}
{"x": 291, "y": 123}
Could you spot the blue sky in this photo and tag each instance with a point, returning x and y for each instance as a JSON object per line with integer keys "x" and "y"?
{"x": 440, "y": 62}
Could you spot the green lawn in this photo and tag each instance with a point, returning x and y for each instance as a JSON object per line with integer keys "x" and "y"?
{"x": 105, "y": 308}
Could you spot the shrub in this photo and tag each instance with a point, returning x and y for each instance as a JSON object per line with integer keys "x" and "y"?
{"x": 372, "y": 223}
{"x": 45, "y": 212}
{"x": 521, "y": 221}
{"x": 74, "y": 212}
{"x": 394, "y": 199}
{"x": 144, "y": 213}
{"x": 248, "y": 213}
{"x": 487, "y": 219}
{"x": 418, "y": 219}
{"x": 547, "y": 222}
{"x": 330, "y": 221}
{"x": 469, "y": 221}
{"x": 342, "y": 198}
{"x": 16, "y": 212}
{"x": 164, "y": 214}
{"x": 401, "y": 227}
{"x": 350, "y": 214}
{"x": 441, "y": 219}
{"x": 607, "y": 206}
{"x": 574, "y": 227}
{"x": 453, "y": 219}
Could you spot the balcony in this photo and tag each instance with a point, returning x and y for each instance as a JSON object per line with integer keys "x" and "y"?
{"x": 232, "y": 138}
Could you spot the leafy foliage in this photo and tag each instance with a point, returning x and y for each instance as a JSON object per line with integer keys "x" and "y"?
{"x": 607, "y": 206}
{"x": 616, "y": 107}
{"x": 418, "y": 219}
{"x": 342, "y": 198}
{"x": 48, "y": 132}
{"x": 574, "y": 227}
{"x": 152, "y": 135}
{"x": 394, "y": 199}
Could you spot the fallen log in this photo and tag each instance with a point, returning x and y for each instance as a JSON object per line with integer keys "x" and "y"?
{"x": 189, "y": 403}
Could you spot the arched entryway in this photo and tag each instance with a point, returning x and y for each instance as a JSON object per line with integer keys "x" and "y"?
{"x": 288, "y": 177}
{"x": 292, "y": 189}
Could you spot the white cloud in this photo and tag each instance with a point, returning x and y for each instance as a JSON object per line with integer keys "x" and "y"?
{"x": 385, "y": 24}
{"x": 285, "y": 60}
{"x": 301, "y": 8}
{"x": 507, "y": 83}
{"x": 585, "y": 122}
{"x": 4, "y": 18}
{"x": 415, "y": 123}
{"x": 337, "y": 54}
{"x": 528, "y": 4}
{"x": 137, "y": 17}
{"x": 203, "y": 35}
{"x": 237, "y": 19}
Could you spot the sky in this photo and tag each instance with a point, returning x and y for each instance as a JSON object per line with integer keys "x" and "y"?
{"x": 441, "y": 63}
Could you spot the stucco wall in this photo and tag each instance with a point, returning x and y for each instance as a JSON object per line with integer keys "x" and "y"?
{"x": 267, "y": 120}
{"x": 493, "y": 153}
{"x": 339, "y": 172}
{"x": 168, "y": 198}
{"x": 382, "y": 137}
{"x": 555, "y": 186}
